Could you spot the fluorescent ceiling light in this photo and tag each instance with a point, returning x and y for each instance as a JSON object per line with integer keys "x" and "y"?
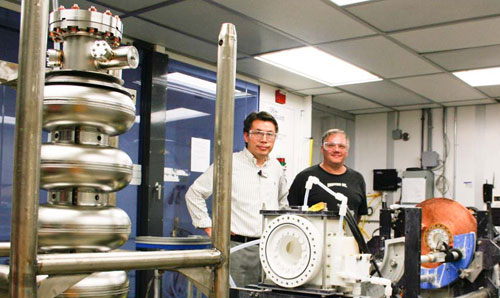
{"x": 480, "y": 77}
{"x": 9, "y": 120}
{"x": 347, "y": 2}
{"x": 319, "y": 66}
{"x": 191, "y": 82}
{"x": 183, "y": 114}
{"x": 188, "y": 84}
{"x": 178, "y": 114}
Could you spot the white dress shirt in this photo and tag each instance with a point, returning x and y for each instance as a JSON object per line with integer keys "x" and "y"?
{"x": 254, "y": 188}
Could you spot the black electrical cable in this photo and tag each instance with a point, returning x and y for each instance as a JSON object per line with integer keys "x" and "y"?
{"x": 351, "y": 222}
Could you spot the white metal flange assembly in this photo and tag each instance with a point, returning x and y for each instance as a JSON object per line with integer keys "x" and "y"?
{"x": 291, "y": 250}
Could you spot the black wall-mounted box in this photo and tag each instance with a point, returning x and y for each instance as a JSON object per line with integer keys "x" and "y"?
{"x": 385, "y": 179}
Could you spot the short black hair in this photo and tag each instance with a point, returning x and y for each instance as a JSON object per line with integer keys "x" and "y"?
{"x": 264, "y": 116}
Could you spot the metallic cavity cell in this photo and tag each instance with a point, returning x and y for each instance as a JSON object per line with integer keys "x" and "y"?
{"x": 85, "y": 104}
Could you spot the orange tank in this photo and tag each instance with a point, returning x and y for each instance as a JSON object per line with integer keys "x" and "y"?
{"x": 442, "y": 219}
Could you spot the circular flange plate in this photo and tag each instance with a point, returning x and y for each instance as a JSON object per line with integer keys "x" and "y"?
{"x": 291, "y": 250}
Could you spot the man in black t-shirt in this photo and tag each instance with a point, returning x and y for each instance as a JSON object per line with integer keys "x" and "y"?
{"x": 334, "y": 174}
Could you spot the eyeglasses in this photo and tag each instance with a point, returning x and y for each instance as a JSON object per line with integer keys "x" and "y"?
{"x": 331, "y": 146}
{"x": 259, "y": 135}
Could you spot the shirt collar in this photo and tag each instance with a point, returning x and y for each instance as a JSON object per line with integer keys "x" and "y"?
{"x": 252, "y": 158}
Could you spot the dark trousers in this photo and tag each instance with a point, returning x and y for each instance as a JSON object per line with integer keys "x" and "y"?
{"x": 244, "y": 266}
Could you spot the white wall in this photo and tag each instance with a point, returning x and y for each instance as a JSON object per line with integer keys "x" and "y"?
{"x": 294, "y": 121}
{"x": 370, "y": 152}
{"x": 476, "y": 145}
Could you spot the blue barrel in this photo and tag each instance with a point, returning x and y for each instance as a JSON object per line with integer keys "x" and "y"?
{"x": 172, "y": 243}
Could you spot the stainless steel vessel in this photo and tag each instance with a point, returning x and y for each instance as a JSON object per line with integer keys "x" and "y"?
{"x": 101, "y": 169}
{"x": 87, "y": 98}
{"x": 111, "y": 284}
{"x": 82, "y": 228}
{"x": 84, "y": 104}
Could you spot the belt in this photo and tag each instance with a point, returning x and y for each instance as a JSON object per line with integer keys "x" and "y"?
{"x": 243, "y": 239}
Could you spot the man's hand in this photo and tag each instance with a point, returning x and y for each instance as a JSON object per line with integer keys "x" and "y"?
{"x": 209, "y": 232}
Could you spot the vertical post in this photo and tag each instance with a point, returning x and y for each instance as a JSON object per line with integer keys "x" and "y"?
{"x": 409, "y": 284}
{"x": 28, "y": 137}
{"x": 152, "y": 134}
{"x": 223, "y": 160}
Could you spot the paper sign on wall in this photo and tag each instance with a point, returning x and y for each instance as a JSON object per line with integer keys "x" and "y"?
{"x": 200, "y": 154}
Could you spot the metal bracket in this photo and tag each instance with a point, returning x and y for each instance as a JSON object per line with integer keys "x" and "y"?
{"x": 392, "y": 266}
{"x": 202, "y": 277}
{"x": 158, "y": 190}
{"x": 475, "y": 267}
{"x": 52, "y": 286}
{"x": 394, "y": 259}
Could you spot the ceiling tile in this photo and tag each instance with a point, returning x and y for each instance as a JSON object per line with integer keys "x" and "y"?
{"x": 380, "y": 56}
{"x": 278, "y": 76}
{"x": 128, "y": 5}
{"x": 392, "y": 15}
{"x": 454, "y": 36}
{"x": 385, "y": 93}
{"x": 440, "y": 87}
{"x": 369, "y": 111}
{"x": 493, "y": 91}
{"x": 467, "y": 58}
{"x": 417, "y": 107}
{"x": 469, "y": 102}
{"x": 201, "y": 19}
{"x": 294, "y": 17}
{"x": 318, "y": 91}
{"x": 172, "y": 40}
{"x": 344, "y": 101}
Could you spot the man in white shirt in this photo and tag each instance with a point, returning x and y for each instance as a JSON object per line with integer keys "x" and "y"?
{"x": 258, "y": 182}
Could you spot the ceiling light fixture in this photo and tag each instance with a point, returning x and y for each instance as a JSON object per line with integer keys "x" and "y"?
{"x": 177, "y": 114}
{"x": 317, "y": 65}
{"x": 188, "y": 84}
{"x": 480, "y": 77}
{"x": 347, "y": 2}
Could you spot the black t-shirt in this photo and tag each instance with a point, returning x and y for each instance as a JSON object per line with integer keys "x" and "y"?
{"x": 351, "y": 184}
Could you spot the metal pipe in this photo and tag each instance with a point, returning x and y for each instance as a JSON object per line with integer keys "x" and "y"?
{"x": 4, "y": 249}
{"x": 422, "y": 131}
{"x": 223, "y": 159}
{"x": 139, "y": 260}
{"x": 55, "y": 6}
{"x": 455, "y": 147}
{"x": 28, "y": 136}
{"x": 157, "y": 284}
{"x": 429, "y": 130}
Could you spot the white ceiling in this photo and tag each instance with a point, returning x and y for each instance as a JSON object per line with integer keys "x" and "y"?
{"x": 412, "y": 44}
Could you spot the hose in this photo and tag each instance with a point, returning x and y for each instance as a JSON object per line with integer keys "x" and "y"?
{"x": 351, "y": 222}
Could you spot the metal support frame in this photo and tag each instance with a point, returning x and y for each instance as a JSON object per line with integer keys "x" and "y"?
{"x": 126, "y": 260}
{"x": 28, "y": 137}
{"x": 201, "y": 277}
{"x": 153, "y": 105}
{"x": 223, "y": 148}
{"x": 25, "y": 265}
{"x": 385, "y": 223}
{"x": 406, "y": 221}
